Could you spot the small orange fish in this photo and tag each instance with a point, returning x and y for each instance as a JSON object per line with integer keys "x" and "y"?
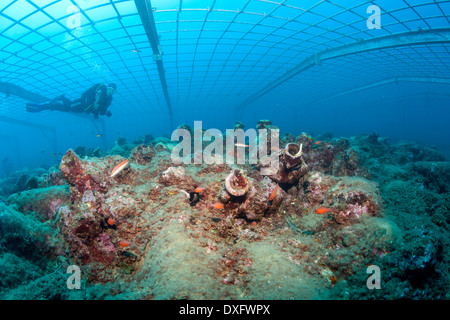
{"x": 276, "y": 150}
{"x": 322, "y": 210}
{"x": 199, "y": 189}
{"x": 124, "y": 243}
{"x": 231, "y": 153}
{"x": 318, "y": 142}
{"x": 273, "y": 193}
{"x": 111, "y": 222}
{"x": 241, "y": 145}
{"x": 117, "y": 169}
{"x": 218, "y": 205}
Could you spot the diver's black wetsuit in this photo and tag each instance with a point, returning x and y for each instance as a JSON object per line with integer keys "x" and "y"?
{"x": 95, "y": 100}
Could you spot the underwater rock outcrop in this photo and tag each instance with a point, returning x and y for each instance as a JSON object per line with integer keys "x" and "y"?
{"x": 142, "y": 154}
{"x": 43, "y": 202}
{"x": 353, "y": 198}
{"x": 84, "y": 175}
{"x": 101, "y": 226}
{"x": 160, "y": 230}
{"x": 22, "y": 235}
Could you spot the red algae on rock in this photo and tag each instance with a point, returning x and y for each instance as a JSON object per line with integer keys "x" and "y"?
{"x": 83, "y": 174}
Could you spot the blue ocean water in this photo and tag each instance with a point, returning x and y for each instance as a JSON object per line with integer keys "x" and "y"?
{"x": 342, "y": 68}
{"x": 216, "y": 56}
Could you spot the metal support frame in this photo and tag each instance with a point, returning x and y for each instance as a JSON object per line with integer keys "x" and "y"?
{"x": 385, "y": 82}
{"x": 9, "y": 88}
{"x": 13, "y": 146}
{"x": 52, "y": 138}
{"x": 398, "y": 40}
{"x": 144, "y": 7}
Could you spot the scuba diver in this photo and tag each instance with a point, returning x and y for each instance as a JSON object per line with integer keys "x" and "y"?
{"x": 95, "y": 100}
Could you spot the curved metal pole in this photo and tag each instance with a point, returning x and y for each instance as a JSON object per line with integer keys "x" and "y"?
{"x": 52, "y": 138}
{"x": 384, "y": 82}
{"x": 396, "y": 40}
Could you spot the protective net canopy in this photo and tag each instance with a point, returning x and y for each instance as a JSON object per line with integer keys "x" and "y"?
{"x": 176, "y": 61}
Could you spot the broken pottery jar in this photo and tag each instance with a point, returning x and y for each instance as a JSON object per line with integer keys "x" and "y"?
{"x": 236, "y": 183}
{"x": 292, "y": 155}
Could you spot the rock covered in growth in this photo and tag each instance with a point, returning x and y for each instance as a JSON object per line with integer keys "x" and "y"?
{"x": 315, "y": 187}
{"x": 350, "y": 198}
{"x": 44, "y": 202}
{"x": 97, "y": 226}
{"x": 24, "y": 236}
{"x": 353, "y": 197}
{"x": 335, "y": 157}
{"x": 168, "y": 231}
{"x": 422, "y": 250}
{"x": 302, "y": 154}
{"x": 121, "y": 148}
{"x": 84, "y": 174}
{"x": 35, "y": 179}
{"x": 177, "y": 176}
{"x": 142, "y": 154}
{"x": 53, "y": 177}
{"x": 21, "y": 181}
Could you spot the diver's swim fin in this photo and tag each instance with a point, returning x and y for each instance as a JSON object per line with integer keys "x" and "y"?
{"x": 36, "y": 107}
